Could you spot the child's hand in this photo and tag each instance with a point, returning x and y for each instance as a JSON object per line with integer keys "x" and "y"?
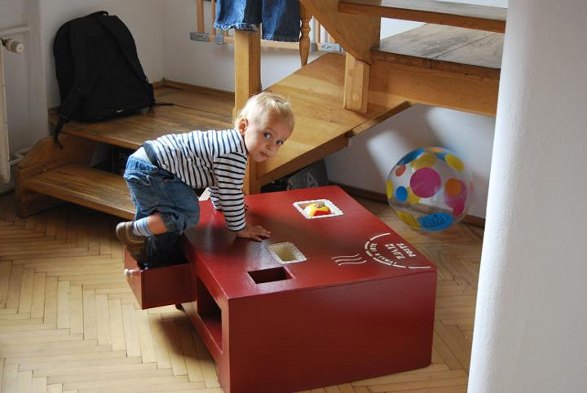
{"x": 255, "y": 232}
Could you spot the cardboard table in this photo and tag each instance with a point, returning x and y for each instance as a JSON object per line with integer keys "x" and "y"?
{"x": 325, "y": 300}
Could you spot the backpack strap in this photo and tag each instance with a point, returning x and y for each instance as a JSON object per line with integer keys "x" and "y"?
{"x": 67, "y": 108}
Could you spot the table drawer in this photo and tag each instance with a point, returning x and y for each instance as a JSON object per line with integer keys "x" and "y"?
{"x": 160, "y": 286}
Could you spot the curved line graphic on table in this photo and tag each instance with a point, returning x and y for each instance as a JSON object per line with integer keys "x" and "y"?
{"x": 391, "y": 254}
{"x": 356, "y": 259}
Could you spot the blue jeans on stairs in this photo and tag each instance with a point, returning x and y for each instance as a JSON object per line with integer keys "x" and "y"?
{"x": 280, "y": 18}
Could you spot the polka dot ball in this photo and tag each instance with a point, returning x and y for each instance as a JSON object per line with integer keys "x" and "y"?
{"x": 430, "y": 189}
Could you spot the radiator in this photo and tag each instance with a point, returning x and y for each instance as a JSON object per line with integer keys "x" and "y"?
{"x": 17, "y": 47}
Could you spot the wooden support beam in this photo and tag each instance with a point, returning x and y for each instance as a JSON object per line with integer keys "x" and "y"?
{"x": 247, "y": 82}
{"x": 356, "y": 84}
{"x": 469, "y": 93}
{"x": 247, "y": 66}
{"x": 357, "y": 34}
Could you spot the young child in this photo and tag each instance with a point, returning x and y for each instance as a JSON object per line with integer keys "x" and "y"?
{"x": 163, "y": 173}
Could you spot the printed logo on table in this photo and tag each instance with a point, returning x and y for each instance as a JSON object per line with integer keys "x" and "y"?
{"x": 382, "y": 249}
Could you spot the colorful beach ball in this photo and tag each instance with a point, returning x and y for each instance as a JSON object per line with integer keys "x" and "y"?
{"x": 430, "y": 189}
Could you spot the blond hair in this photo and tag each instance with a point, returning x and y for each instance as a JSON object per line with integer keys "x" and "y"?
{"x": 268, "y": 107}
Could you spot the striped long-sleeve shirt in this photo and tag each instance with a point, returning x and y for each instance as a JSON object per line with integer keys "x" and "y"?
{"x": 214, "y": 159}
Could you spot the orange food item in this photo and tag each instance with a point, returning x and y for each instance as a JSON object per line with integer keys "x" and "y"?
{"x": 317, "y": 209}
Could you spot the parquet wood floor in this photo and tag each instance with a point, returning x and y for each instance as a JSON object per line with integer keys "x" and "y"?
{"x": 70, "y": 324}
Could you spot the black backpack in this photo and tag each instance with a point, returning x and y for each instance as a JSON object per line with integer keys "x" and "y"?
{"x": 98, "y": 70}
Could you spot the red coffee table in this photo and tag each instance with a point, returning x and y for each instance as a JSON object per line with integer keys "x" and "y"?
{"x": 358, "y": 304}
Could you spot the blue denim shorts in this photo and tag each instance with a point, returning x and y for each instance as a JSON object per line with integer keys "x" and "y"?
{"x": 280, "y": 18}
{"x": 153, "y": 189}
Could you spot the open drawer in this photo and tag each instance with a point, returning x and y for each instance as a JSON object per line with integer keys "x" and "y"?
{"x": 160, "y": 286}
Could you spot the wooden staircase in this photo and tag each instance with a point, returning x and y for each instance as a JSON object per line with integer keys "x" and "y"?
{"x": 49, "y": 174}
{"x": 453, "y": 61}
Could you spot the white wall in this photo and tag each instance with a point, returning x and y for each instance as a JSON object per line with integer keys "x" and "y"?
{"x": 143, "y": 18}
{"x": 211, "y": 65}
{"x": 26, "y": 120}
{"x": 161, "y": 30}
{"x": 531, "y": 309}
{"x": 370, "y": 156}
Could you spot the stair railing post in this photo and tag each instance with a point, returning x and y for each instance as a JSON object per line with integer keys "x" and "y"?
{"x": 305, "y": 16}
{"x": 247, "y": 82}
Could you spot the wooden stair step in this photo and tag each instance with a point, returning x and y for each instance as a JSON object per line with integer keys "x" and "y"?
{"x": 430, "y": 11}
{"x": 194, "y": 109}
{"x": 446, "y": 48}
{"x": 322, "y": 126}
{"x": 79, "y": 184}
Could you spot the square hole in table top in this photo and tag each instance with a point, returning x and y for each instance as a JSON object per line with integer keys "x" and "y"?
{"x": 346, "y": 248}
